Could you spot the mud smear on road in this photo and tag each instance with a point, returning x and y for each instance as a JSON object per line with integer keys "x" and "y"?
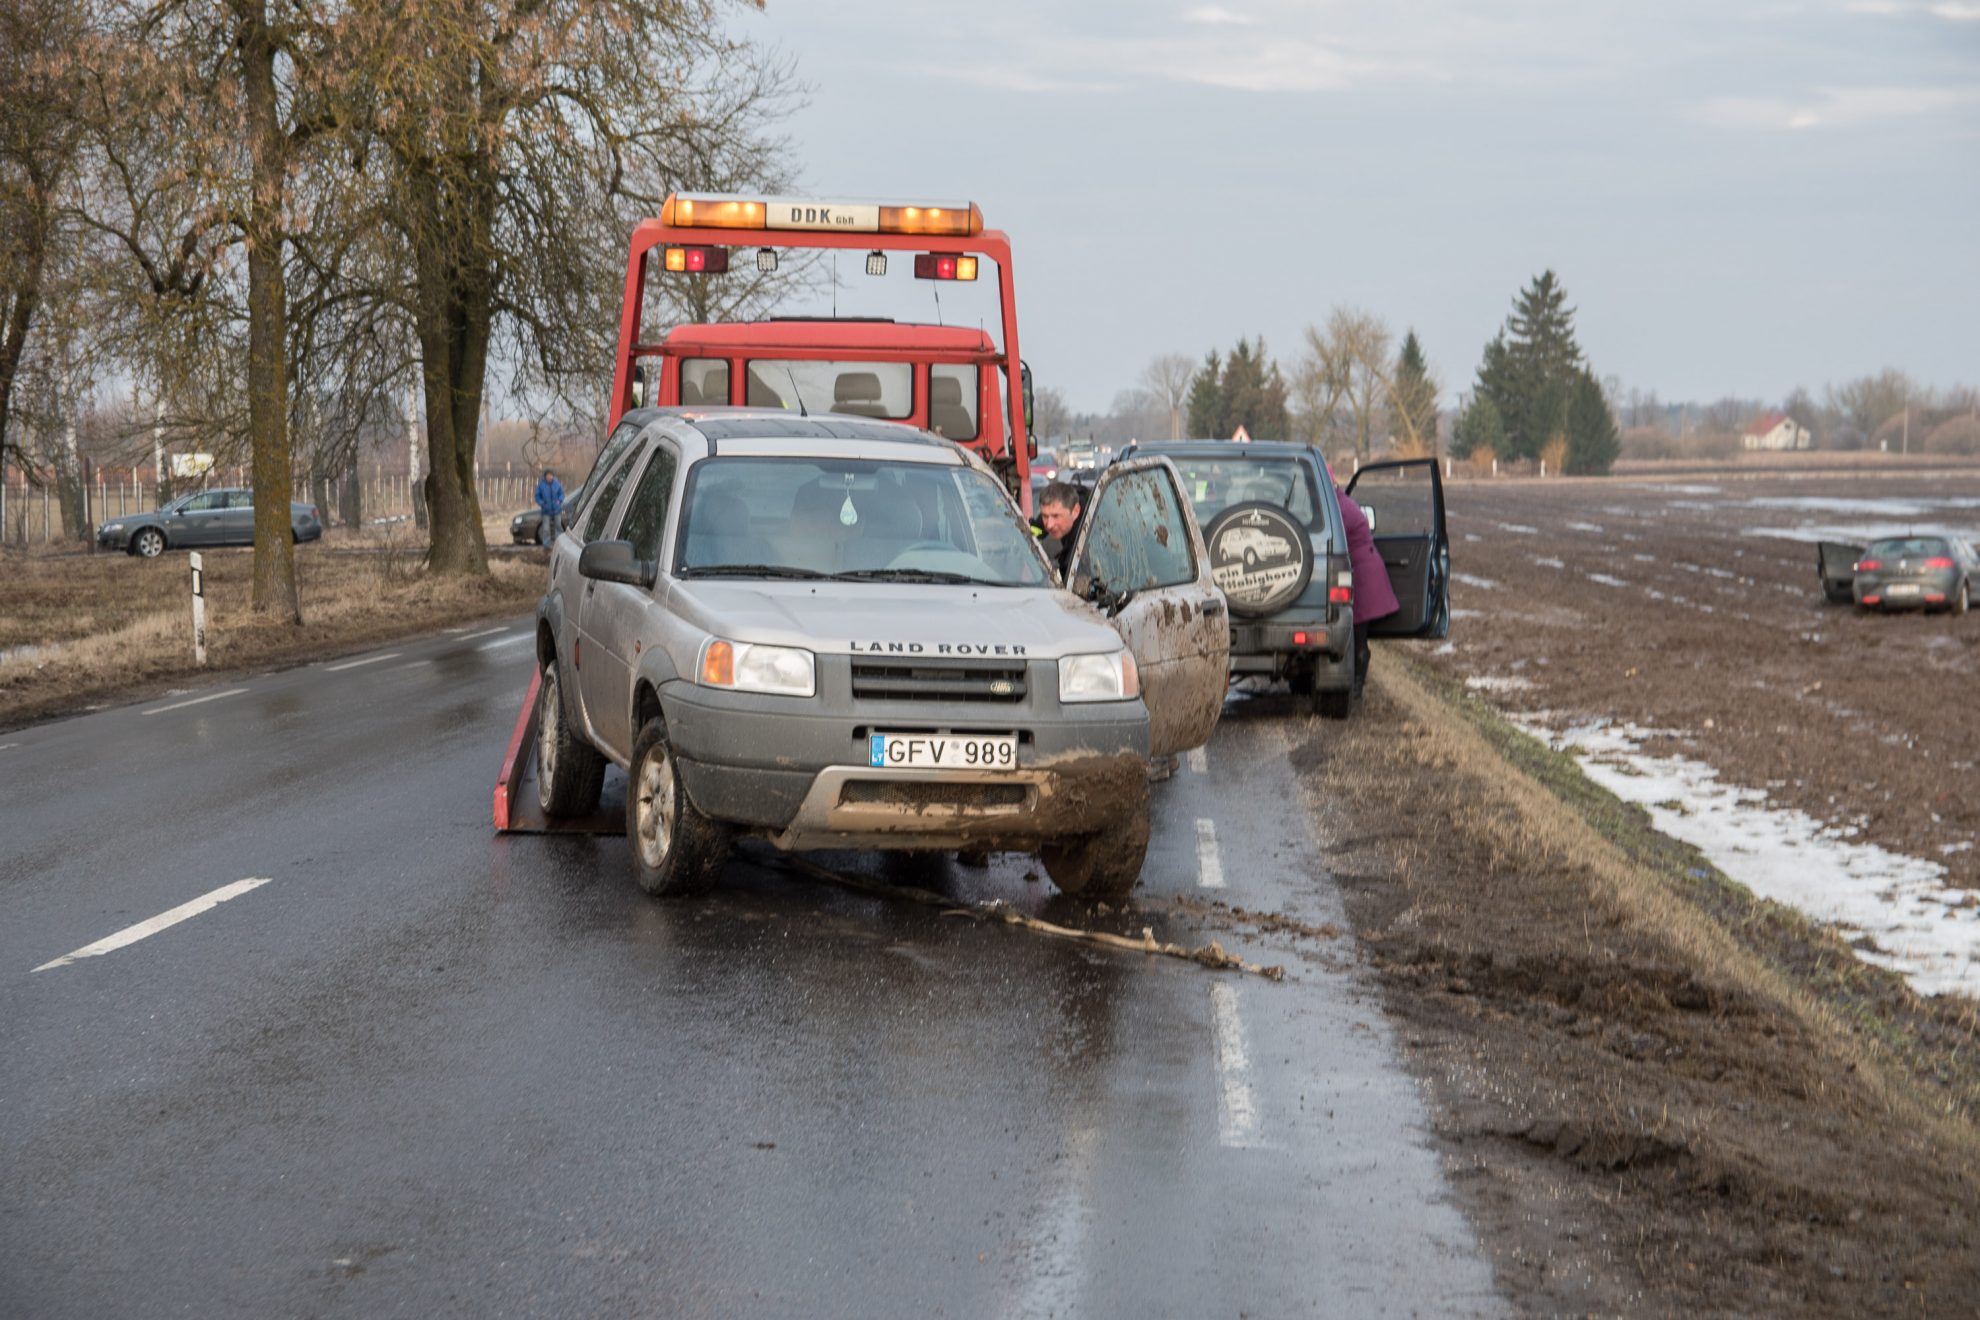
{"x": 1650, "y": 1108}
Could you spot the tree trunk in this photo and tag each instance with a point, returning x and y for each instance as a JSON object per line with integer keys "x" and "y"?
{"x": 455, "y": 301}
{"x": 352, "y": 512}
{"x": 268, "y": 384}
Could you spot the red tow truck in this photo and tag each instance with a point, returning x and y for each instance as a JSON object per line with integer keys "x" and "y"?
{"x": 959, "y": 382}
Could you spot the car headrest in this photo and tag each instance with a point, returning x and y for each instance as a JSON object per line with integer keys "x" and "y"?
{"x": 856, "y": 387}
{"x": 944, "y": 389}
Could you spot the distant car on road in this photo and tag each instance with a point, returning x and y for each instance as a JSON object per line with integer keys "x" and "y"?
{"x": 221, "y": 516}
{"x": 1916, "y": 572}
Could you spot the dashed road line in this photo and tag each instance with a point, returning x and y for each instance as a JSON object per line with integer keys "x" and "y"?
{"x": 368, "y": 660}
{"x": 485, "y": 632}
{"x": 1209, "y": 866}
{"x": 181, "y": 705}
{"x": 504, "y": 641}
{"x": 1199, "y": 761}
{"x": 132, "y": 934}
{"x": 412, "y": 664}
{"x": 1237, "y": 1111}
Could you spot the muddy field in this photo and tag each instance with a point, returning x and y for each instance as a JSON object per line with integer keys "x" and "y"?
{"x": 1674, "y": 629}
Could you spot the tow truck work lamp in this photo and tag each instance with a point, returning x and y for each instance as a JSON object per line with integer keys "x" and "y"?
{"x": 937, "y": 266}
{"x": 730, "y": 211}
{"x": 698, "y": 260}
{"x": 876, "y": 263}
{"x": 766, "y": 260}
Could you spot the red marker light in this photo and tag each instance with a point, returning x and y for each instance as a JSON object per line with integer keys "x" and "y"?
{"x": 697, "y": 260}
{"x": 1340, "y": 595}
{"x": 1873, "y": 600}
{"x": 938, "y": 266}
{"x": 1935, "y": 598}
{"x": 1868, "y": 565}
{"x": 1299, "y": 639}
{"x": 1941, "y": 562}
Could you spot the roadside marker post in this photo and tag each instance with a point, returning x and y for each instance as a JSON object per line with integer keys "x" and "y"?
{"x": 199, "y": 610}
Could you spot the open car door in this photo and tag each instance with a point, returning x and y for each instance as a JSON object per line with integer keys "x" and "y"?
{"x": 1404, "y": 501}
{"x": 1140, "y": 557}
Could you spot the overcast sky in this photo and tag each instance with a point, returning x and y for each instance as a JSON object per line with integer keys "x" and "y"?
{"x": 1739, "y": 198}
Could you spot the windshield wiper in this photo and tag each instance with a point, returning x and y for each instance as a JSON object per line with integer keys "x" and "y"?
{"x": 915, "y": 575}
{"x": 750, "y": 570}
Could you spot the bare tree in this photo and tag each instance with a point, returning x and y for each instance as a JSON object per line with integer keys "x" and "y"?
{"x": 1166, "y": 379}
{"x": 1346, "y": 363}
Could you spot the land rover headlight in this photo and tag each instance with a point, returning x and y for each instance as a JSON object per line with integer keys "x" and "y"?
{"x": 784, "y": 671}
{"x": 1110, "y": 676}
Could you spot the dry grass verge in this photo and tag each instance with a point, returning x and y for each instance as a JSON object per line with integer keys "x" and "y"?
{"x": 81, "y": 630}
{"x": 1662, "y": 1095}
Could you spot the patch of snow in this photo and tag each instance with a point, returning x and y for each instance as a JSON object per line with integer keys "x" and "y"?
{"x": 1520, "y": 528}
{"x": 1606, "y": 580}
{"x": 1860, "y": 533}
{"x": 1644, "y": 559}
{"x": 1583, "y": 527}
{"x": 1465, "y": 614}
{"x": 1448, "y": 648}
{"x": 1901, "y": 903}
{"x": 1497, "y": 683}
{"x": 1550, "y": 563}
{"x": 1473, "y": 536}
{"x": 1964, "y": 845}
{"x": 1483, "y": 584}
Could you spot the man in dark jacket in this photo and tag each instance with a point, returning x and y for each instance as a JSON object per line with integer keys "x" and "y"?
{"x": 1061, "y": 509}
{"x": 550, "y": 500}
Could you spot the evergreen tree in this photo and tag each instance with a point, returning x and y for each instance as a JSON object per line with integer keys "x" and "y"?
{"x": 1243, "y": 389}
{"x": 1529, "y": 367}
{"x": 1206, "y": 399}
{"x": 1480, "y": 428}
{"x": 1415, "y": 397}
{"x": 1593, "y": 441}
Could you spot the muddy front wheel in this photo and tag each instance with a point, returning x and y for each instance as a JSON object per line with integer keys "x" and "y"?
{"x": 1106, "y": 865}
{"x": 676, "y": 849}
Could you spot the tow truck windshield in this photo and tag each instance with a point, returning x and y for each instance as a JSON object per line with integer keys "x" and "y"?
{"x": 854, "y": 520}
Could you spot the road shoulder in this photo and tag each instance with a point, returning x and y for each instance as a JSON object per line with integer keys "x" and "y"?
{"x": 1654, "y": 1090}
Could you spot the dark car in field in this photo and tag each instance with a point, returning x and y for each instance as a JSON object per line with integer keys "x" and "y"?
{"x": 223, "y": 515}
{"x": 1916, "y": 572}
{"x": 1278, "y": 550}
{"x": 526, "y": 528}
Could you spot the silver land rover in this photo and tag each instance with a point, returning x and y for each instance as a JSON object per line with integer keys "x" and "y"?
{"x": 832, "y": 632}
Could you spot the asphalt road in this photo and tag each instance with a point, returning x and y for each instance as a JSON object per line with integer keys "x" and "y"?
{"x": 422, "y": 1069}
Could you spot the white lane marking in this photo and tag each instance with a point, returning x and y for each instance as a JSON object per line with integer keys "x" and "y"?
{"x": 1199, "y": 761}
{"x": 412, "y": 664}
{"x": 5, "y": 746}
{"x": 1210, "y": 867}
{"x": 369, "y": 660}
{"x": 132, "y": 934}
{"x": 501, "y": 642}
{"x": 1237, "y": 1112}
{"x": 485, "y": 632}
{"x": 461, "y": 629}
{"x": 180, "y": 705}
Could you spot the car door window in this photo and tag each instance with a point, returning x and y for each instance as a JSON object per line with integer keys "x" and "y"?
{"x": 205, "y": 503}
{"x": 621, "y": 440}
{"x": 601, "y": 508}
{"x": 646, "y": 513}
{"x": 1137, "y": 539}
{"x": 241, "y": 499}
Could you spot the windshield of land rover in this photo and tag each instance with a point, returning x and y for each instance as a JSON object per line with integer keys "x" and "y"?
{"x": 1215, "y": 484}
{"x": 854, "y": 520}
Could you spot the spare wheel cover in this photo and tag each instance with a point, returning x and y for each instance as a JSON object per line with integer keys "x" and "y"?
{"x": 1259, "y": 557}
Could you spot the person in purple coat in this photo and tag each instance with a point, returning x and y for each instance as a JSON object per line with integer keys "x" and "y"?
{"x": 1374, "y": 598}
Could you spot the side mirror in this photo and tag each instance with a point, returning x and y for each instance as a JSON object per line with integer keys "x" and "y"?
{"x": 1024, "y": 386}
{"x": 613, "y": 561}
{"x": 639, "y": 386}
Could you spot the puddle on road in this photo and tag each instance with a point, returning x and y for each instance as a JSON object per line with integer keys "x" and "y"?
{"x": 1902, "y": 904}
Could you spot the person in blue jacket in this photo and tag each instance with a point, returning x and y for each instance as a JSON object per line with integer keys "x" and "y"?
{"x": 549, "y": 499}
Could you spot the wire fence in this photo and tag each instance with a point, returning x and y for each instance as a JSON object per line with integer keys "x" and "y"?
{"x": 34, "y": 515}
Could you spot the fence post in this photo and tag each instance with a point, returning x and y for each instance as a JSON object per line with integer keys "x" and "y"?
{"x": 1495, "y": 467}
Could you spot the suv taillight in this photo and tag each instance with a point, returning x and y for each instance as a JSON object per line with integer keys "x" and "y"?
{"x": 1940, "y": 562}
{"x": 1868, "y": 565}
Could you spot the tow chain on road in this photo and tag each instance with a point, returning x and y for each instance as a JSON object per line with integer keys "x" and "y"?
{"x": 1210, "y": 955}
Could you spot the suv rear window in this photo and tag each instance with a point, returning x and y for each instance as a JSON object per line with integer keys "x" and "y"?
{"x": 1215, "y": 484}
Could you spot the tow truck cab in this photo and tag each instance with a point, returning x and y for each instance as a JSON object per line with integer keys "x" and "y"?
{"x": 963, "y": 384}
{"x": 942, "y": 379}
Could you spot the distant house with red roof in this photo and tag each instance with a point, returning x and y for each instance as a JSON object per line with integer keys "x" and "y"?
{"x": 1777, "y": 430}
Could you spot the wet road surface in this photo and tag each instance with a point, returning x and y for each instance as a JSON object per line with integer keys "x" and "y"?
{"x": 422, "y": 1069}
